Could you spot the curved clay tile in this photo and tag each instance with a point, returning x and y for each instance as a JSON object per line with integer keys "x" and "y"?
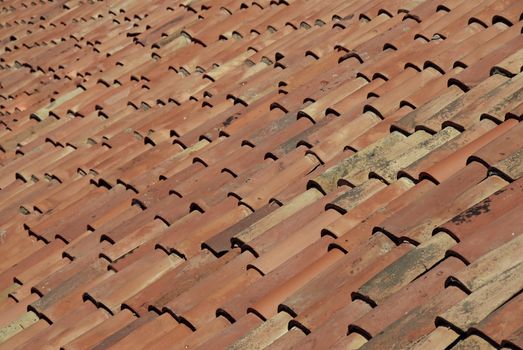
{"x": 268, "y": 174}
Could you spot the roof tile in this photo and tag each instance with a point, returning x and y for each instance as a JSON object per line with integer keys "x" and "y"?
{"x": 282, "y": 174}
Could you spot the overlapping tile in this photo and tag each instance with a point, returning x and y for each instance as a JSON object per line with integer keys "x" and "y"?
{"x": 261, "y": 174}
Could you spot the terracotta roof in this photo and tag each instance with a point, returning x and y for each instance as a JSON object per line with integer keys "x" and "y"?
{"x": 270, "y": 173}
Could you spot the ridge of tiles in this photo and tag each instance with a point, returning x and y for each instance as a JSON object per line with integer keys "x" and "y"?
{"x": 282, "y": 174}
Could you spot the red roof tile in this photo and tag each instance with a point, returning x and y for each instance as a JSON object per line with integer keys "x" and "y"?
{"x": 261, "y": 174}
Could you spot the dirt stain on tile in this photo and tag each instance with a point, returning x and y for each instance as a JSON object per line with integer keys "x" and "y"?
{"x": 476, "y": 210}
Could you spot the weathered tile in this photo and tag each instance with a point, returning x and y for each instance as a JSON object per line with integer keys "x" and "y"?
{"x": 263, "y": 174}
